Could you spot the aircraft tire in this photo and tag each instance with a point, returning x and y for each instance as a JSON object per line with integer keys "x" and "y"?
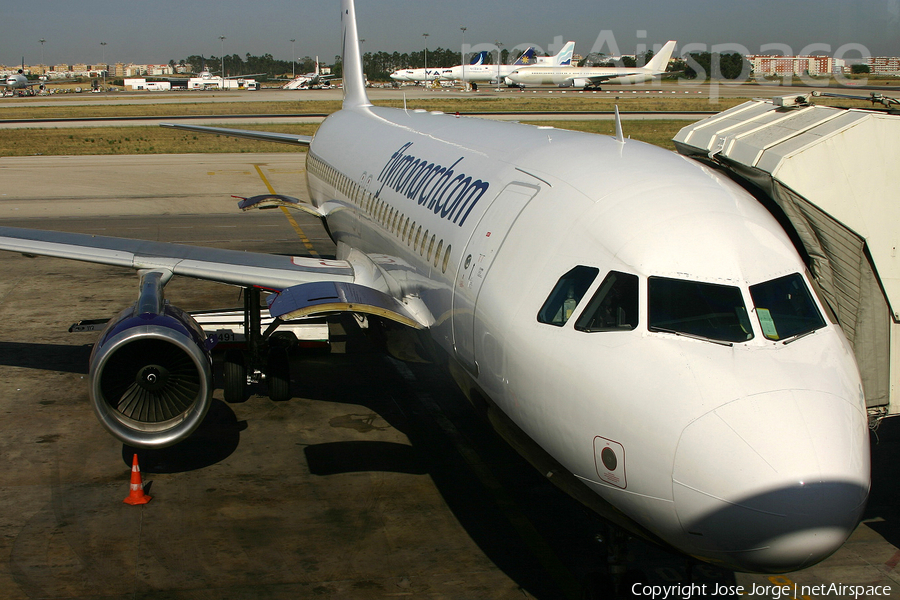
{"x": 235, "y": 377}
{"x": 278, "y": 375}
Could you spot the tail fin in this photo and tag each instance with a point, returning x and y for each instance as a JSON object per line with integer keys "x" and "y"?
{"x": 526, "y": 58}
{"x": 564, "y": 56}
{"x": 317, "y": 66}
{"x": 660, "y": 61}
{"x": 478, "y": 59}
{"x": 354, "y": 80}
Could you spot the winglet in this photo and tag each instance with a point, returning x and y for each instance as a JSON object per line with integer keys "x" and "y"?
{"x": 354, "y": 79}
{"x": 620, "y": 136}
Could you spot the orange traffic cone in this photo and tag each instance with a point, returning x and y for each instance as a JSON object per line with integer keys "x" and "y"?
{"x": 137, "y": 486}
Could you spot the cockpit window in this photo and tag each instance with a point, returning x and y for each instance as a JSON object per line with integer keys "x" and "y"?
{"x": 705, "y": 310}
{"x": 785, "y": 307}
{"x": 566, "y": 295}
{"x": 614, "y": 306}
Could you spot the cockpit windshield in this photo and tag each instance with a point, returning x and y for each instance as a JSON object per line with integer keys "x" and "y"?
{"x": 704, "y": 310}
{"x": 785, "y": 307}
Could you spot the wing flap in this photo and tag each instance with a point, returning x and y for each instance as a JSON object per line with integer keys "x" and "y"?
{"x": 214, "y": 264}
{"x": 321, "y": 298}
{"x": 265, "y": 136}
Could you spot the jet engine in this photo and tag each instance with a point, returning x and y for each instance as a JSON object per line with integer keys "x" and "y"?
{"x": 150, "y": 371}
{"x": 581, "y": 83}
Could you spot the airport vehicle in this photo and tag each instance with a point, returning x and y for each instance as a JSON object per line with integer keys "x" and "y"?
{"x": 591, "y": 77}
{"x": 308, "y": 81}
{"x": 417, "y": 75}
{"x": 649, "y": 339}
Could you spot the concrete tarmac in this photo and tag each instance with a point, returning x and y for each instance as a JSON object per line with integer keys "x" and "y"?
{"x": 375, "y": 480}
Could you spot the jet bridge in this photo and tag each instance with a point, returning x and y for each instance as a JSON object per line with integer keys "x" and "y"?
{"x": 832, "y": 176}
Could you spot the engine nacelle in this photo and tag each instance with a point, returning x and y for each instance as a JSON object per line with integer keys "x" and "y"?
{"x": 581, "y": 83}
{"x": 151, "y": 374}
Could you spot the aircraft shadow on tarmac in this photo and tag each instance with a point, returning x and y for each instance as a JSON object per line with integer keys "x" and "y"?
{"x": 883, "y": 512}
{"x": 48, "y": 357}
{"x": 215, "y": 439}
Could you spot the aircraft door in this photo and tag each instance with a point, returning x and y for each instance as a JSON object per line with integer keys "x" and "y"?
{"x": 477, "y": 259}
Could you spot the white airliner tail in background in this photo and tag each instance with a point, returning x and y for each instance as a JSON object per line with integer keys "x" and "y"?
{"x": 649, "y": 336}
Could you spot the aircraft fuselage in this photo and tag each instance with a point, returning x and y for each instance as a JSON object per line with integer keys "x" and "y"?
{"x": 722, "y": 444}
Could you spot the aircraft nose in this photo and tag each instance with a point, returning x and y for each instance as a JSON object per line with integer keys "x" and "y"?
{"x": 755, "y": 491}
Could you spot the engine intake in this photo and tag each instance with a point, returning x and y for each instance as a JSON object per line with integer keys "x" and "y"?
{"x": 150, "y": 373}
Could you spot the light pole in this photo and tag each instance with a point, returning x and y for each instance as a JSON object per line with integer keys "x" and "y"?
{"x": 425, "y": 35}
{"x": 42, "y": 40}
{"x": 499, "y": 46}
{"x": 462, "y": 55}
{"x": 222, "y": 38}
{"x": 293, "y": 59}
{"x": 103, "y": 48}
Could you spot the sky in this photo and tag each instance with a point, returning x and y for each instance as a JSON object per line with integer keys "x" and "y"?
{"x": 154, "y": 32}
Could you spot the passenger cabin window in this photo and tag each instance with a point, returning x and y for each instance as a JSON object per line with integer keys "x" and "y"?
{"x": 785, "y": 307}
{"x": 704, "y": 310}
{"x": 566, "y": 295}
{"x": 614, "y": 306}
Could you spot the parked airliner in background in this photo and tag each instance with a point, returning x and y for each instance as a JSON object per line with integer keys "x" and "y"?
{"x": 649, "y": 338}
{"x": 308, "y": 80}
{"x": 592, "y": 77}
{"x": 496, "y": 73}
{"x": 19, "y": 84}
{"x": 433, "y": 74}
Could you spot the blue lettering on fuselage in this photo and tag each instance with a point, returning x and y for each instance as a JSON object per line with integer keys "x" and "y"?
{"x": 432, "y": 185}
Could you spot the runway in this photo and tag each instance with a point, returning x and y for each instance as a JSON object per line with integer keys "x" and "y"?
{"x": 377, "y": 479}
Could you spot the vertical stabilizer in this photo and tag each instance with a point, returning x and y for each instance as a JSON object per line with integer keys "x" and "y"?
{"x": 660, "y": 61}
{"x": 564, "y": 57}
{"x": 354, "y": 80}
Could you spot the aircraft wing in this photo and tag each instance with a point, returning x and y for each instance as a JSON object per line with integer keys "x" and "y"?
{"x": 304, "y": 286}
{"x": 234, "y": 267}
{"x": 266, "y": 136}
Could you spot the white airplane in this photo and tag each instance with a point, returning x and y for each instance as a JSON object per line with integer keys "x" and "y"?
{"x": 649, "y": 338}
{"x": 592, "y": 77}
{"x": 308, "y": 80}
{"x": 19, "y": 84}
{"x": 495, "y": 73}
{"x": 417, "y": 75}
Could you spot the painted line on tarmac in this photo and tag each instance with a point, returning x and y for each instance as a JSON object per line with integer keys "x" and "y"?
{"x": 288, "y": 215}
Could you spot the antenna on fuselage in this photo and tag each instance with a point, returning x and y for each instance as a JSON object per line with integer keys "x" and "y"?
{"x": 620, "y": 137}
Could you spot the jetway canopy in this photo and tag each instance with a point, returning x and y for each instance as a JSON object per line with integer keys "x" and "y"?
{"x": 834, "y": 175}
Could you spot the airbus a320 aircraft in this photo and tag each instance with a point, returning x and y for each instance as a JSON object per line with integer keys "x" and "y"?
{"x": 592, "y": 77}
{"x": 650, "y": 337}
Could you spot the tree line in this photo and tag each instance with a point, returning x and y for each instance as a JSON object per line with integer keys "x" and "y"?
{"x": 379, "y": 65}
